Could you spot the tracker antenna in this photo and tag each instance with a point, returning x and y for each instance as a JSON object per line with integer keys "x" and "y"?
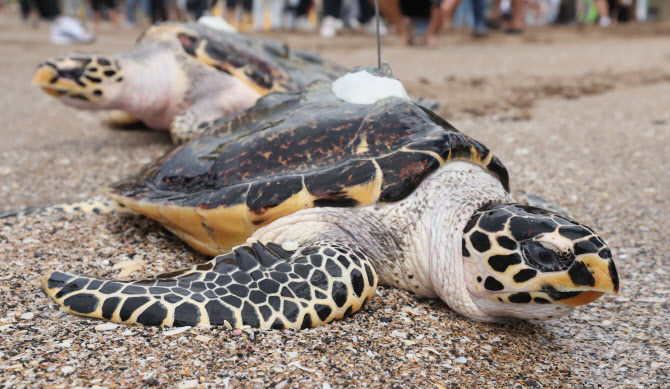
{"x": 379, "y": 46}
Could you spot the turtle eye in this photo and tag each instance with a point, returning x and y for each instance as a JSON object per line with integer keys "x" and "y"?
{"x": 545, "y": 259}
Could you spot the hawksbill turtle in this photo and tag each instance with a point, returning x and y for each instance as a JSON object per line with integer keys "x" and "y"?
{"x": 181, "y": 77}
{"x": 309, "y": 200}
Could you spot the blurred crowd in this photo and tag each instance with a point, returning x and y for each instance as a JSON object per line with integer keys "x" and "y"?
{"x": 412, "y": 21}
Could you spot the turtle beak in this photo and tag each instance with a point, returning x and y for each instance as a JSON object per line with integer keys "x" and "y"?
{"x": 45, "y": 77}
{"x": 592, "y": 276}
{"x": 589, "y": 277}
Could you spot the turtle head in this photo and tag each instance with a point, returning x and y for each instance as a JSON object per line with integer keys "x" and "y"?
{"x": 81, "y": 80}
{"x": 530, "y": 263}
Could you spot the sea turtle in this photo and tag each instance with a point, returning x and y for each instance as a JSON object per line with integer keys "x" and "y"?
{"x": 312, "y": 199}
{"x": 181, "y": 76}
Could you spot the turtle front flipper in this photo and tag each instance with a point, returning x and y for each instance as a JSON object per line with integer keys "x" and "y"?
{"x": 262, "y": 286}
{"x": 537, "y": 201}
{"x": 221, "y": 96}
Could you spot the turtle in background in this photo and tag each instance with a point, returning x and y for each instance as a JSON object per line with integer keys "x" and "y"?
{"x": 180, "y": 77}
{"x": 309, "y": 200}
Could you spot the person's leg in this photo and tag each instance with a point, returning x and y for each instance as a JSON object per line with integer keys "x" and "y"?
{"x": 331, "y": 14}
{"x": 246, "y": 21}
{"x": 95, "y": 7}
{"x": 113, "y": 14}
{"x": 641, "y": 9}
{"x": 146, "y": 6}
{"x": 367, "y": 18}
{"x": 603, "y": 12}
{"x": 367, "y": 9}
{"x": 301, "y": 16}
{"x": 462, "y": 15}
{"x": 229, "y": 10}
{"x": 164, "y": 10}
{"x": 303, "y": 7}
{"x": 158, "y": 11}
{"x": 478, "y": 12}
{"x": 48, "y": 9}
{"x": 130, "y": 12}
{"x": 154, "y": 11}
{"x": 448, "y": 8}
{"x": 391, "y": 11}
{"x": 439, "y": 12}
{"x": 25, "y": 9}
{"x": 332, "y": 8}
{"x": 518, "y": 14}
{"x": 197, "y": 7}
{"x": 258, "y": 14}
{"x": 495, "y": 20}
{"x": 276, "y": 11}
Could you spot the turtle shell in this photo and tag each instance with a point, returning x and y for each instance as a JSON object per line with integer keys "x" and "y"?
{"x": 265, "y": 65}
{"x": 293, "y": 151}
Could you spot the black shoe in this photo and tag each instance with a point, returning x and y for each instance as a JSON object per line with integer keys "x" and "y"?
{"x": 493, "y": 24}
{"x": 514, "y": 31}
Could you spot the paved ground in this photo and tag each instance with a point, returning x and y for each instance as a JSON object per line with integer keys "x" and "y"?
{"x": 578, "y": 116}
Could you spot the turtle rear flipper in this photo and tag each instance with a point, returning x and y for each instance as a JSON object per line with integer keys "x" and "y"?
{"x": 122, "y": 120}
{"x": 99, "y": 205}
{"x": 262, "y": 286}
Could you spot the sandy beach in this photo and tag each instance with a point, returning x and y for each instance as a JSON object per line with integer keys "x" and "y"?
{"x": 579, "y": 116}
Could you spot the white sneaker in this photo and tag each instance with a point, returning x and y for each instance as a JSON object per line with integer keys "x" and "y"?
{"x": 353, "y": 23}
{"x": 371, "y": 27}
{"x": 303, "y": 24}
{"x": 66, "y": 30}
{"x": 329, "y": 26}
{"x": 605, "y": 21}
{"x": 339, "y": 24}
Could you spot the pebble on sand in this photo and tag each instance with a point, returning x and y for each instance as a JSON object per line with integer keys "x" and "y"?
{"x": 188, "y": 384}
{"x": 27, "y": 316}
{"x": 106, "y": 326}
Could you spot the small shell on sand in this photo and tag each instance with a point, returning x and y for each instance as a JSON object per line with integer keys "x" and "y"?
{"x": 176, "y": 331}
{"x": 129, "y": 267}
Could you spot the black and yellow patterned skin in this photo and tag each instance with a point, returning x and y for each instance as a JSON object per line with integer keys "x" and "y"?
{"x": 82, "y": 77}
{"x": 526, "y": 255}
{"x": 263, "y": 64}
{"x": 257, "y": 285}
